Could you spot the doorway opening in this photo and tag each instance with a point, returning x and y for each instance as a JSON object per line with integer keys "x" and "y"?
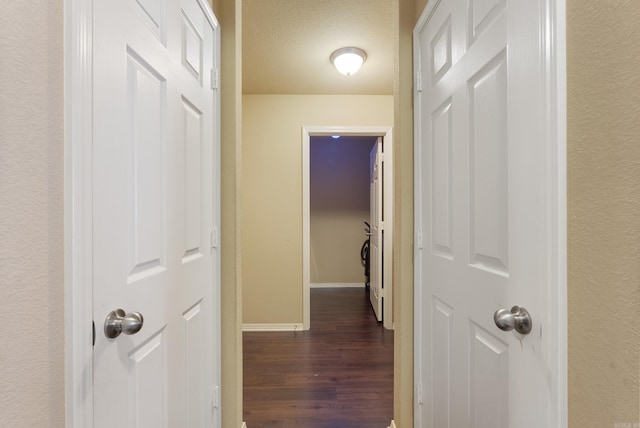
{"x": 384, "y": 135}
{"x": 345, "y": 202}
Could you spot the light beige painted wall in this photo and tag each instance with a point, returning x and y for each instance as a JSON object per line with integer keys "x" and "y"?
{"x": 272, "y": 192}
{"x": 339, "y": 204}
{"x": 31, "y": 215}
{"x": 229, "y": 14}
{"x": 403, "y": 20}
{"x": 336, "y": 240}
{"x": 603, "y": 42}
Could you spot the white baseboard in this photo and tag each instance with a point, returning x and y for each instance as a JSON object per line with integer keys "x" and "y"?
{"x": 272, "y": 327}
{"x": 393, "y": 425}
{"x": 337, "y": 285}
{"x": 244, "y": 425}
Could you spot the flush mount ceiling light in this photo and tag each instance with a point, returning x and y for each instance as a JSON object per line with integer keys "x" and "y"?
{"x": 348, "y": 60}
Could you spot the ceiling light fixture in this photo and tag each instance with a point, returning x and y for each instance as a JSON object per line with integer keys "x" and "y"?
{"x": 348, "y": 60}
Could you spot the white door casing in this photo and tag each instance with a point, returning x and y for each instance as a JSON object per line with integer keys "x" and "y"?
{"x": 376, "y": 230}
{"x": 387, "y": 135}
{"x": 142, "y": 213}
{"x": 490, "y": 213}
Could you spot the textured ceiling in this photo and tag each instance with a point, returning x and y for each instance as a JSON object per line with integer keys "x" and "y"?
{"x": 286, "y": 46}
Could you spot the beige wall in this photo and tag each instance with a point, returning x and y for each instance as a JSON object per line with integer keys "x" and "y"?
{"x": 603, "y": 42}
{"x": 31, "y": 215}
{"x": 403, "y": 216}
{"x": 272, "y": 192}
{"x": 339, "y": 190}
{"x": 229, "y": 13}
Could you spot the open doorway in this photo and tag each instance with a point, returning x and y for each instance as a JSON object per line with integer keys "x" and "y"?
{"x": 383, "y": 137}
{"x": 346, "y": 215}
{"x": 340, "y": 210}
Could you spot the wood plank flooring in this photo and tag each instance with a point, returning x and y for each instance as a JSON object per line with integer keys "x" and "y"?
{"x": 339, "y": 374}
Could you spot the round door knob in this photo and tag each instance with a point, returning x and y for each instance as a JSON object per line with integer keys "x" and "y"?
{"x": 118, "y": 322}
{"x": 517, "y": 319}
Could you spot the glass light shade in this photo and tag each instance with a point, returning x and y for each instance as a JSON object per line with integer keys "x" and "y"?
{"x": 348, "y": 60}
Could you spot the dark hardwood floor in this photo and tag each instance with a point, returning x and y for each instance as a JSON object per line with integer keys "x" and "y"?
{"x": 339, "y": 374}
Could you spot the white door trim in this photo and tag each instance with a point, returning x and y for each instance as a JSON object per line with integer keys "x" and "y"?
{"x": 78, "y": 137}
{"x": 554, "y": 43}
{"x": 374, "y": 131}
{"x": 78, "y": 102}
{"x": 556, "y": 75}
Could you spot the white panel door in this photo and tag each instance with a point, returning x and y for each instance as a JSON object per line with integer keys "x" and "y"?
{"x": 155, "y": 212}
{"x": 484, "y": 217}
{"x": 376, "y": 241}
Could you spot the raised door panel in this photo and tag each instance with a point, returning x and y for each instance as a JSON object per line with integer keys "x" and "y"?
{"x": 488, "y": 157}
{"x": 441, "y": 171}
{"x": 442, "y": 378}
{"x": 147, "y": 386}
{"x": 482, "y": 13}
{"x": 192, "y": 47}
{"x": 440, "y": 54}
{"x": 153, "y": 14}
{"x": 193, "y": 321}
{"x": 192, "y": 139}
{"x": 146, "y": 106}
{"x": 488, "y": 379}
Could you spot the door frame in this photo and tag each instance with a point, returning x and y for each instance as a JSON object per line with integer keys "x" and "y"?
{"x": 554, "y": 45}
{"x": 386, "y": 132}
{"x": 78, "y": 240}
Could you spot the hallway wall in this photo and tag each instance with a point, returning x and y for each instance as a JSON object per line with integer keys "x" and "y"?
{"x": 603, "y": 44}
{"x": 272, "y": 192}
{"x": 31, "y": 215}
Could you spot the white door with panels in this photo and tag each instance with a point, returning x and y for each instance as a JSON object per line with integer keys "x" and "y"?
{"x": 376, "y": 242}
{"x": 489, "y": 222}
{"x": 155, "y": 190}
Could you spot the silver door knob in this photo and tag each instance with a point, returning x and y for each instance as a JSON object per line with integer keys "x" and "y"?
{"x": 517, "y": 318}
{"x": 118, "y": 322}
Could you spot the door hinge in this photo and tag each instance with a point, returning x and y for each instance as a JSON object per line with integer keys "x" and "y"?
{"x": 215, "y": 397}
{"x": 382, "y": 157}
{"x": 215, "y": 78}
{"x": 419, "y": 239}
{"x": 419, "y": 81}
{"x": 419, "y": 393}
{"x": 93, "y": 323}
{"x": 214, "y": 237}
